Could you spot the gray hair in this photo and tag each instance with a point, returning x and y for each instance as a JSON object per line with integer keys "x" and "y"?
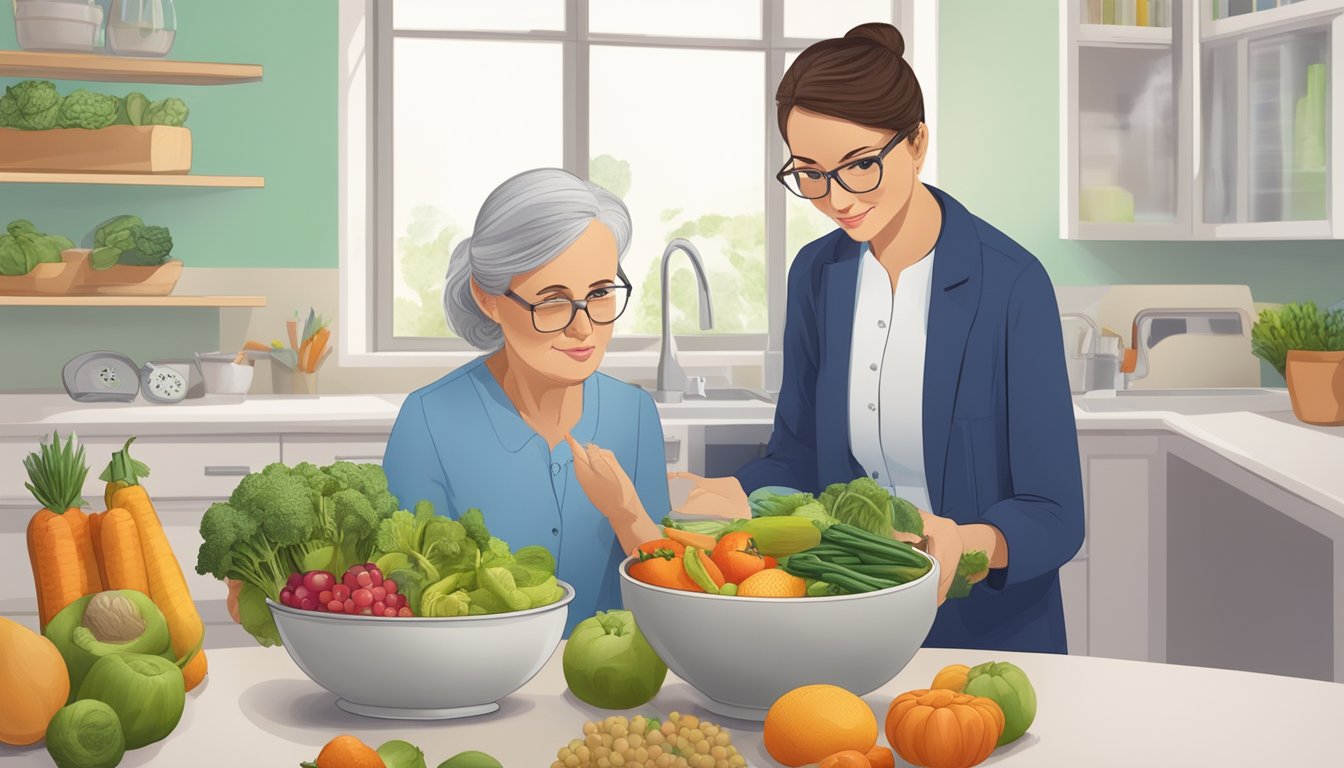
{"x": 523, "y": 224}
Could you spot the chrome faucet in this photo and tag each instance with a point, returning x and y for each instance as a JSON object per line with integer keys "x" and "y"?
{"x": 672, "y": 380}
{"x": 1232, "y": 321}
{"x": 1089, "y": 346}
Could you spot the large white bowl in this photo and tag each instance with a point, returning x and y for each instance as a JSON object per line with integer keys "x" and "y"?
{"x": 743, "y": 653}
{"x": 422, "y": 668}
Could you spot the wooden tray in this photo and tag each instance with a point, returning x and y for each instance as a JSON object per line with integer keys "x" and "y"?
{"x": 114, "y": 149}
{"x": 47, "y": 279}
{"x": 124, "y": 280}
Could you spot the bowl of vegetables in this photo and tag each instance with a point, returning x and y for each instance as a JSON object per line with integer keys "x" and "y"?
{"x": 839, "y": 605}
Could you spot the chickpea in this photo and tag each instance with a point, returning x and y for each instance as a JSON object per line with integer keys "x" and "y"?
{"x": 603, "y": 762}
{"x": 702, "y": 747}
{"x": 584, "y": 753}
{"x": 655, "y": 737}
{"x": 719, "y": 753}
{"x": 563, "y": 753}
{"x": 641, "y": 755}
{"x": 722, "y": 739}
{"x": 620, "y": 744}
{"x": 572, "y": 761}
{"x": 617, "y": 759}
{"x": 669, "y": 728}
{"x": 696, "y": 735}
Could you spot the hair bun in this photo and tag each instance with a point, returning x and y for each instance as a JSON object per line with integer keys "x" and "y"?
{"x": 885, "y": 35}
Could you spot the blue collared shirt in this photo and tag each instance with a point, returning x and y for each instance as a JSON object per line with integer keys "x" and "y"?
{"x": 460, "y": 443}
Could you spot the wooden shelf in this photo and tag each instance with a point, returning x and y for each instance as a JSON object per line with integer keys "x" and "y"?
{"x": 1123, "y": 36}
{"x": 123, "y": 69}
{"x": 134, "y": 179}
{"x": 132, "y": 301}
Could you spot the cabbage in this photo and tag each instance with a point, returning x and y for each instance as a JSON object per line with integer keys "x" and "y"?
{"x": 609, "y": 664}
{"x": 116, "y": 621}
{"x": 146, "y": 692}
{"x": 401, "y": 754}
{"x": 86, "y": 734}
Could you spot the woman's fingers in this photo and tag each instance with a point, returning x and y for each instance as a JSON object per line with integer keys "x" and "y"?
{"x": 684, "y": 476}
{"x": 580, "y": 455}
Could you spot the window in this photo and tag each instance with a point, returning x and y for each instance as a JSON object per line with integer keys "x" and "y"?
{"x": 667, "y": 103}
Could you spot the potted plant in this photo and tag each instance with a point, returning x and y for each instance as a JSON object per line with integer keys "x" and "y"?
{"x": 1305, "y": 345}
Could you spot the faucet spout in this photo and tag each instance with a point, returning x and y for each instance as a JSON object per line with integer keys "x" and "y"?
{"x": 672, "y": 381}
{"x": 1233, "y": 321}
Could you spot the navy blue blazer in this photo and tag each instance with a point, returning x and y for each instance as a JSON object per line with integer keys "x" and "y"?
{"x": 1000, "y": 443}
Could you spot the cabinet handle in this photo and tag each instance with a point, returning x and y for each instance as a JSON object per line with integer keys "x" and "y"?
{"x": 377, "y": 458}
{"x": 672, "y": 450}
{"x": 233, "y": 470}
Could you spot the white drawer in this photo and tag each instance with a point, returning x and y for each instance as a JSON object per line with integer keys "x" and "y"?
{"x": 181, "y": 467}
{"x": 327, "y": 449}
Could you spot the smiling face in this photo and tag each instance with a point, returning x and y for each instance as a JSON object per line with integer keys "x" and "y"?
{"x": 822, "y": 143}
{"x": 586, "y": 269}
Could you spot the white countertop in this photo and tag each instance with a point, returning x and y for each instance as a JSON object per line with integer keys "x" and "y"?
{"x": 1301, "y": 458}
{"x": 257, "y": 708}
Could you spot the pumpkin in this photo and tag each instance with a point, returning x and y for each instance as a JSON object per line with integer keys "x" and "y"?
{"x": 1009, "y": 687}
{"x": 33, "y": 684}
{"x": 942, "y": 728}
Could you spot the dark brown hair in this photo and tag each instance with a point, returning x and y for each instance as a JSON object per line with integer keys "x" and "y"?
{"x": 860, "y": 77}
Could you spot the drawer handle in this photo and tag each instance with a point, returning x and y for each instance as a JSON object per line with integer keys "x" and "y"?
{"x": 672, "y": 451}
{"x": 378, "y": 458}
{"x": 227, "y": 471}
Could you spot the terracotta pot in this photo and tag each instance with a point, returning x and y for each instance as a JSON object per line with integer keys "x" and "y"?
{"x": 1316, "y": 386}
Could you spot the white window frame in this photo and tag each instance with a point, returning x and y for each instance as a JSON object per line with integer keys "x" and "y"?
{"x": 365, "y": 114}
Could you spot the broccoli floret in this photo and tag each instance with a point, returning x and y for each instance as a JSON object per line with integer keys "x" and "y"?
{"x": 970, "y": 564}
{"x": 149, "y": 246}
{"x": 284, "y": 507}
{"x": 348, "y": 473}
{"x": 86, "y": 109}
{"x": 222, "y": 528}
{"x": 375, "y": 479}
{"x": 169, "y": 111}
{"x": 474, "y": 522}
{"x": 32, "y": 105}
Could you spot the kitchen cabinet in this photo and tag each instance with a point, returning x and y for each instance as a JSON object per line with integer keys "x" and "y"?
{"x": 1218, "y": 128}
{"x": 327, "y": 449}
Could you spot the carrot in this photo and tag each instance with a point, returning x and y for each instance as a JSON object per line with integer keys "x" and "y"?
{"x": 318, "y": 343}
{"x": 58, "y": 547}
{"x": 697, "y": 540}
{"x": 95, "y": 537}
{"x": 881, "y": 757}
{"x": 167, "y": 585}
{"x": 847, "y": 759}
{"x": 122, "y": 553}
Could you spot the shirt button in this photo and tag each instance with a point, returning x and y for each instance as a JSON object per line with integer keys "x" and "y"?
{"x": 872, "y": 366}
{"x": 872, "y": 406}
{"x": 874, "y": 475}
{"x": 555, "y": 531}
{"x": 555, "y": 469}
{"x": 881, "y": 323}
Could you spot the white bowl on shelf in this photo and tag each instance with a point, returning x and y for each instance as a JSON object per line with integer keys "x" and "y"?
{"x": 222, "y": 376}
{"x": 52, "y": 25}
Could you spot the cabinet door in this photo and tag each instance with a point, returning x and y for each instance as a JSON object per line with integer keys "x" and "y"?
{"x": 326, "y": 449}
{"x": 1073, "y": 588}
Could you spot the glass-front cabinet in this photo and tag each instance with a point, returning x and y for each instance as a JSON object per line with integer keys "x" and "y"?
{"x": 1220, "y": 125}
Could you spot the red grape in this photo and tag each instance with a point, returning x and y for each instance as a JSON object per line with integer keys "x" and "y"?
{"x": 340, "y": 592}
{"x": 363, "y": 598}
{"x": 318, "y": 581}
{"x": 301, "y": 592}
{"x": 378, "y": 608}
{"x": 365, "y": 579}
{"x": 404, "y": 612}
{"x": 390, "y": 586}
{"x": 379, "y": 594}
{"x": 377, "y": 577}
{"x": 349, "y": 605}
{"x": 336, "y": 606}
{"x": 295, "y": 579}
{"x": 390, "y": 612}
{"x": 391, "y": 601}
{"x": 287, "y": 596}
{"x": 308, "y": 604}
{"x": 350, "y": 582}
{"x": 370, "y": 566}
{"x": 365, "y": 611}
{"x": 355, "y": 569}
{"x": 326, "y": 596}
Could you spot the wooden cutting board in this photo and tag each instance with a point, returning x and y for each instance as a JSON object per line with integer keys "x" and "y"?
{"x": 114, "y": 149}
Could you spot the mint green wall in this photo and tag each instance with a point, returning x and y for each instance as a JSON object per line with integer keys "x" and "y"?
{"x": 998, "y": 132}
{"x": 282, "y": 128}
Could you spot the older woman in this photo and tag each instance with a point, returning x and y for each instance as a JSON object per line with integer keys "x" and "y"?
{"x": 551, "y": 451}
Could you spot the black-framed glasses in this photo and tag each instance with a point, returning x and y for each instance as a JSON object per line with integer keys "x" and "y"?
{"x": 857, "y": 176}
{"x": 602, "y": 305}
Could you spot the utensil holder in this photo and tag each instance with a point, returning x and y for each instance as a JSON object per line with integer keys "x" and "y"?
{"x": 287, "y": 381}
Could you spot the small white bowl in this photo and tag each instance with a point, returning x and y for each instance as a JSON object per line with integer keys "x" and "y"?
{"x": 422, "y": 668}
{"x": 222, "y": 376}
{"x": 57, "y": 26}
{"x": 743, "y": 653}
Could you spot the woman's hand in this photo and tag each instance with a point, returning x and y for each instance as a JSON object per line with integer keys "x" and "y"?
{"x": 610, "y": 489}
{"x": 947, "y": 542}
{"x": 713, "y": 496}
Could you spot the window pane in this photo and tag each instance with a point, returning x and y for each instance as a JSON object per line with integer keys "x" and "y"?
{"x": 833, "y": 18}
{"x": 456, "y": 139}
{"x": 686, "y": 156}
{"x": 805, "y": 223}
{"x": 677, "y": 18}
{"x": 512, "y": 16}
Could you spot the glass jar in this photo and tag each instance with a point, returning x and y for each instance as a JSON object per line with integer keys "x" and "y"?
{"x": 141, "y": 27}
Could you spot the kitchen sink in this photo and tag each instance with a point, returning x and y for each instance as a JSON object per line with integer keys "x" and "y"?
{"x": 729, "y": 394}
{"x": 1195, "y": 400}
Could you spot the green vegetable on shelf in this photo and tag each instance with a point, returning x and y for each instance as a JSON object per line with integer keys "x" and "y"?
{"x": 131, "y": 109}
{"x": 125, "y": 239}
{"x": 88, "y": 110}
{"x": 170, "y": 111}
{"x": 31, "y": 105}
{"x": 24, "y": 247}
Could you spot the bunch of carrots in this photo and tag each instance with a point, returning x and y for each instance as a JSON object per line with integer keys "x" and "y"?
{"x": 74, "y": 553}
{"x": 307, "y": 349}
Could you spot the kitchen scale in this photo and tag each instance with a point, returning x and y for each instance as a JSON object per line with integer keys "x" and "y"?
{"x": 111, "y": 377}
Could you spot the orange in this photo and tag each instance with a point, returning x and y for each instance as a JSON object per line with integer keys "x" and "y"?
{"x": 346, "y": 751}
{"x": 807, "y": 724}
{"x": 951, "y": 677}
{"x": 772, "y": 582}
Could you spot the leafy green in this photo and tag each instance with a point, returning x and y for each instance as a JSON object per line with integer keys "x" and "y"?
{"x": 501, "y": 583}
{"x": 256, "y": 617}
{"x": 150, "y": 246}
{"x": 131, "y": 109}
{"x": 536, "y": 563}
{"x": 1298, "y": 326}
{"x": 970, "y": 564}
{"x": 770, "y": 502}
{"x": 116, "y": 232}
{"x": 88, "y": 110}
{"x": 31, "y": 105}
{"x": 862, "y": 503}
{"x": 714, "y": 528}
{"x": 905, "y": 517}
{"x": 20, "y": 254}
{"x": 817, "y": 513}
{"x": 474, "y": 522}
{"x": 169, "y": 111}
